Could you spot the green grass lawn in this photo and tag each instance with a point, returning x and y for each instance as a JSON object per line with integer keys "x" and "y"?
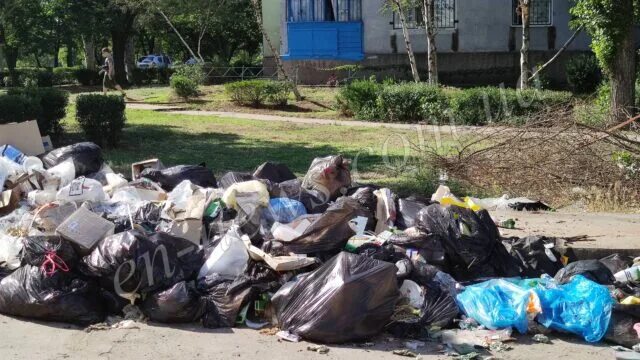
{"x": 381, "y": 156}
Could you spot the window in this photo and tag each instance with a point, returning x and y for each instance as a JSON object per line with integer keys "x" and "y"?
{"x": 324, "y": 10}
{"x": 539, "y": 12}
{"x": 445, "y": 16}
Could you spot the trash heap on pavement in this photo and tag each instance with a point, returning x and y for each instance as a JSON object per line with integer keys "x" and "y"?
{"x": 320, "y": 258}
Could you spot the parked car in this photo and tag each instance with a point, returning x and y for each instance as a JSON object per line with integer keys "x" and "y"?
{"x": 154, "y": 61}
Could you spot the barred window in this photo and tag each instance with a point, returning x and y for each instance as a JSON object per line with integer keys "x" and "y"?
{"x": 445, "y": 14}
{"x": 324, "y": 10}
{"x": 539, "y": 12}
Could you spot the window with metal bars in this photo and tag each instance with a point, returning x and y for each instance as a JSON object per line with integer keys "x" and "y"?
{"x": 445, "y": 16}
{"x": 540, "y": 12}
{"x": 323, "y": 10}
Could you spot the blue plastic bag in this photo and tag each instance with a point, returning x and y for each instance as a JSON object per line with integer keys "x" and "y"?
{"x": 581, "y": 307}
{"x": 283, "y": 210}
{"x": 496, "y": 304}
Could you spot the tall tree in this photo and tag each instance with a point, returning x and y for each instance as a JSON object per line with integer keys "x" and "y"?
{"x": 611, "y": 25}
{"x": 524, "y": 7}
{"x": 429, "y": 14}
{"x": 398, "y": 7}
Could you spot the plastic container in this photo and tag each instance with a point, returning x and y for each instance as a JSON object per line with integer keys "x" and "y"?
{"x": 65, "y": 171}
{"x": 229, "y": 258}
{"x": 41, "y": 197}
{"x": 12, "y": 153}
{"x": 631, "y": 274}
{"x": 32, "y": 163}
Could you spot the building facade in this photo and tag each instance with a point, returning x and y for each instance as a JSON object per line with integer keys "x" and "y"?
{"x": 478, "y": 41}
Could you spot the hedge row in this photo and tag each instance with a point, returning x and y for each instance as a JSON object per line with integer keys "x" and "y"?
{"x": 411, "y": 102}
{"x": 101, "y": 118}
{"x": 46, "y": 105}
{"x": 258, "y": 92}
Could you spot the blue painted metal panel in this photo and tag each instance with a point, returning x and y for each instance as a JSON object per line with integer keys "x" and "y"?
{"x": 324, "y": 41}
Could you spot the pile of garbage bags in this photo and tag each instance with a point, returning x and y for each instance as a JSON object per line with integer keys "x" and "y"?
{"x": 321, "y": 258}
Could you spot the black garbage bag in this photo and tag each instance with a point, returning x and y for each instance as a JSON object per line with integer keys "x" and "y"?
{"x": 50, "y": 252}
{"x": 148, "y": 215}
{"x": 331, "y": 231}
{"x": 471, "y": 242}
{"x": 274, "y": 172}
{"x": 222, "y": 304}
{"x": 259, "y": 277}
{"x": 113, "y": 303}
{"x": 536, "y": 258}
{"x": 330, "y": 175}
{"x": 349, "y": 298}
{"x": 621, "y": 331}
{"x": 234, "y": 177}
{"x": 593, "y": 270}
{"x": 313, "y": 200}
{"x": 61, "y": 297}
{"x": 408, "y": 210}
{"x": 368, "y": 201}
{"x": 170, "y": 178}
{"x": 87, "y": 158}
{"x": 616, "y": 262}
{"x": 181, "y": 303}
{"x": 131, "y": 262}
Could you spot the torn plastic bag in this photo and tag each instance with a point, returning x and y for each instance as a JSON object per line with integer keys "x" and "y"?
{"x": 148, "y": 215}
{"x": 581, "y": 307}
{"x": 623, "y": 319}
{"x": 234, "y": 177}
{"x": 51, "y": 253}
{"x": 349, "y": 298}
{"x": 181, "y": 303}
{"x": 61, "y": 297}
{"x": 314, "y": 201}
{"x": 537, "y": 254}
{"x": 408, "y": 210}
{"x": 130, "y": 262}
{"x": 330, "y": 231}
{"x": 170, "y": 178}
{"x": 87, "y": 158}
{"x": 228, "y": 258}
{"x": 222, "y": 305}
{"x": 591, "y": 269}
{"x": 496, "y": 304}
{"x": 10, "y": 248}
{"x": 616, "y": 262}
{"x": 368, "y": 202}
{"x": 259, "y": 277}
{"x": 470, "y": 240}
{"x": 283, "y": 210}
{"x": 274, "y": 172}
{"x": 329, "y": 175}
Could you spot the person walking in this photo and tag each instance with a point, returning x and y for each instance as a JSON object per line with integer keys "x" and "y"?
{"x": 109, "y": 79}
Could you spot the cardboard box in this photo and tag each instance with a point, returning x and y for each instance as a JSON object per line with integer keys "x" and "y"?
{"x": 84, "y": 229}
{"x": 47, "y": 143}
{"x": 25, "y": 136}
{"x": 137, "y": 168}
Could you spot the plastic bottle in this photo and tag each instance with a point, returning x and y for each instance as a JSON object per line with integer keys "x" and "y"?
{"x": 631, "y": 274}
{"x": 31, "y": 163}
{"x": 12, "y": 154}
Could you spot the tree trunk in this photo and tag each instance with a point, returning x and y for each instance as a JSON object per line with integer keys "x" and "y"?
{"x": 37, "y": 58}
{"x": 119, "y": 41}
{"x": 524, "y": 51}
{"x": 623, "y": 75}
{"x": 407, "y": 41}
{"x": 11, "y": 57}
{"x": 89, "y": 52}
{"x": 130, "y": 58}
{"x": 432, "y": 52}
{"x": 70, "y": 54}
{"x": 56, "y": 54}
{"x": 276, "y": 54}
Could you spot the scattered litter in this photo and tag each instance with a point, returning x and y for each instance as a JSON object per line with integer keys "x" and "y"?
{"x": 285, "y": 335}
{"x": 320, "y": 349}
{"x": 405, "y": 353}
{"x": 540, "y": 338}
{"x": 414, "y": 344}
{"x": 113, "y": 322}
{"x": 499, "y": 346}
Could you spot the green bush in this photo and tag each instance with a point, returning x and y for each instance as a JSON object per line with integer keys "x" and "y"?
{"x": 101, "y": 117}
{"x": 184, "y": 86}
{"x": 18, "y": 108}
{"x": 194, "y": 73}
{"x": 411, "y": 102}
{"x": 64, "y": 75}
{"x": 583, "y": 73}
{"x": 359, "y": 98}
{"x": 87, "y": 77}
{"x": 51, "y": 105}
{"x": 257, "y": 92}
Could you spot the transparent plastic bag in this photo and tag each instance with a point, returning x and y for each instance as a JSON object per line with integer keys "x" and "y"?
{"x": 283, "y": 210}
{"x": 229, "y": 258}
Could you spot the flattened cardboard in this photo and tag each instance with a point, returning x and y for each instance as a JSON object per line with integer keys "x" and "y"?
{"x": 24, "y": 136}
{"x": 137, "y": 168}
{"x": 280, "y": 263}
{"x": 85, "y": 229}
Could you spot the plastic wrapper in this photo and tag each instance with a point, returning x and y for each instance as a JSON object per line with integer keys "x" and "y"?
{"x": 274, "y": 172}
{"x": 283, "y": 210}
{"x": 329, "y": 175}
{"x": 470, "y": 240}
{"x": 349, "y": 298}
{"x": 60, "y": 297}
{"x": 591, "y": 269}
{"x": 10, "y": 248}
{"x": 330, "y": 231}
{"x": 616, "y": 262}
{"x": 86, "y": 156}
{"x": 581, "y": 307}
{"x": 222, "y": 304}
{"x": 537, "y": 255}
{"x": 234, "y": 177}
{"x": 496, "y": 304}
{"x": 170, "y": 178}
{"x": 131, "y": 262}
{"x": 181, "y": 303}
{"x": 49, "y": 252}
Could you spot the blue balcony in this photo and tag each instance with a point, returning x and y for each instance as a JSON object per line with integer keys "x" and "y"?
{"x": 326, "y": 40}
